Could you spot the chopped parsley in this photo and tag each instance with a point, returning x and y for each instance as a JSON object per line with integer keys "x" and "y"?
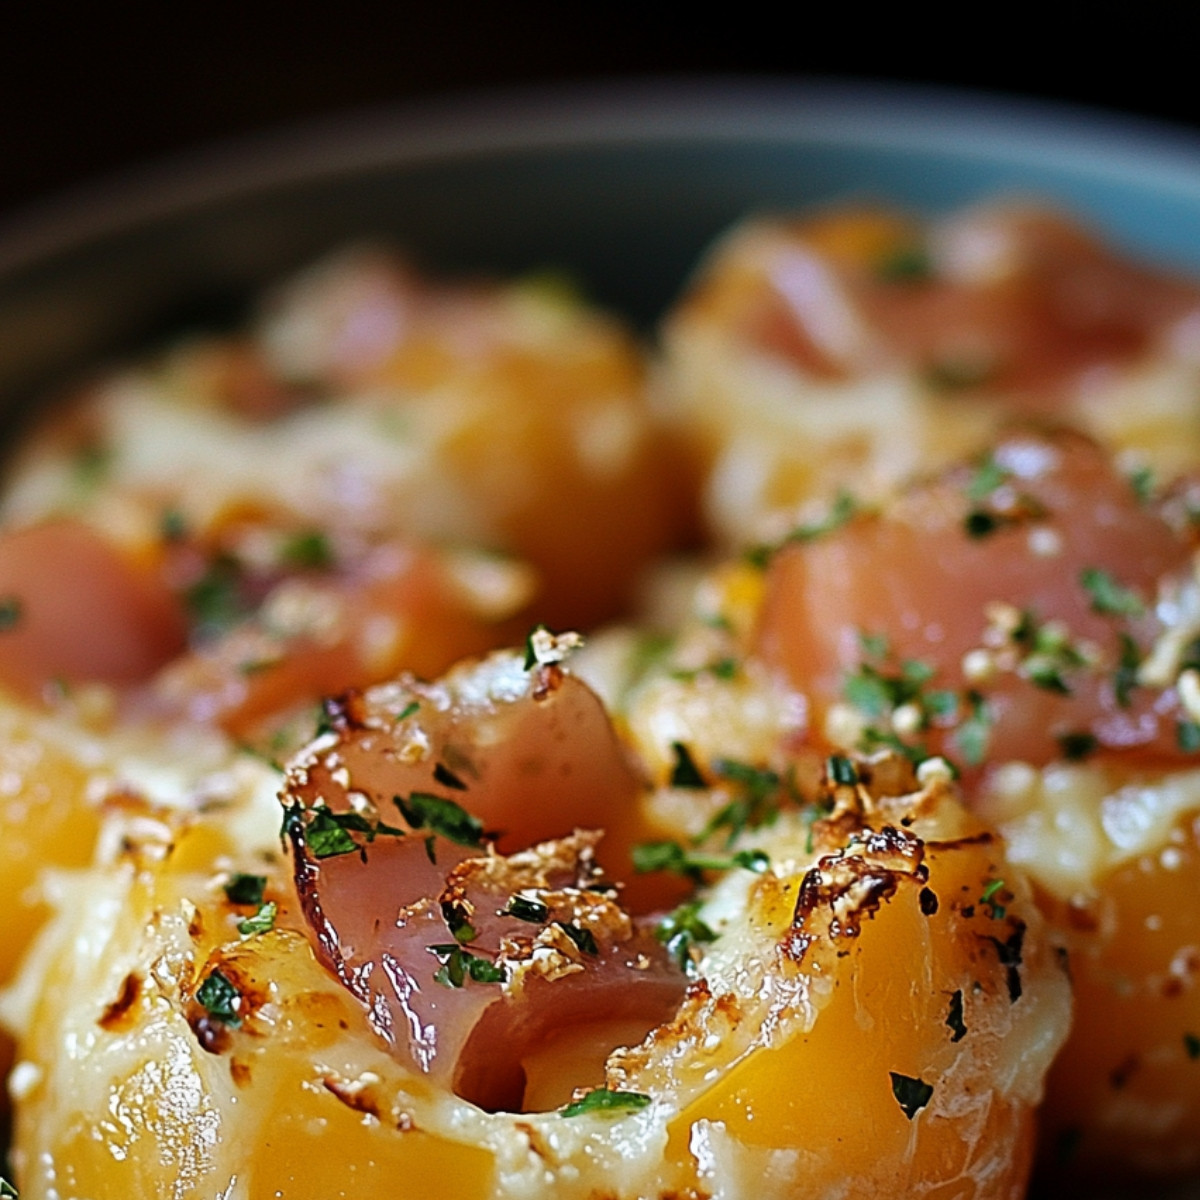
{"x": 604, "y": 1100}
{"x": 91, "y": 464}
{"x": 1191, "y": 1043}
{"x": 974, "y": 732}
{"x": 584, "y": 939}
{"x": 442, "y": 817}
{"x": 681, "y": 931}
{"x": 908, "y": 262}
{"x": 671, "y": 856}
{"x": 458, "y": 966}
{"x": 409, "y": 710}
{"x": 7, "y": 1191}
{"x": 308, "y": 550}
{"x": 11, "y": 611}
{"x": 988, "y": 899}
{"x": 955, "y": 374}
{"x": 327, "y": 834}
{"x": 841, "y": 770}
{"x": 988, "y": 476}
{"x": 954, "y": 1019}
{"x": 214, "y": 601}
{"x": 761, "y": 792}
{"x": 447, "y": 778}
{"x": 1125, "y": 677}
{"x": 685, "y": 773}
{"x": 1142, "y": 480}
{"x": 172, "y": 525}
{"x": 1108, "y": 597}
{"x": 1078, "y": 745}
{"x": 263, "y": 921}
{"x": 525, "y": 908}
{"x": 911, "y": 1094}
{"x": 219, "y": 997}
{"x": 843, "y": 509}
{"x": 245, "y": 889}
{"x": 1187, "y": 736}
{"x": 531, "y": 655}
{"x": 457, "y": 922}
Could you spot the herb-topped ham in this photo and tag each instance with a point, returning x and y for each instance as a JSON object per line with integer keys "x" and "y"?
{"x": 1031, "y": 605}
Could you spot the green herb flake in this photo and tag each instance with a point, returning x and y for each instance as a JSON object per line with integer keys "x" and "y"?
{"x": 1108, "y": 597}
{"x": 909, "y": 262}
{"x": 219, "y": 997}
{"x": 11, "y": 611}
{"x": 214, "y": 601}
{"x": 988, "y": 476}
{"x": 7, "y": 1191}
{"x": 1187, "y": 736}
{"x": 953, "y": 374}
{"x": 307, "y": 550}
{"x": 987, "y": 898}
{"x": 263, "y": 921}
{"x": 1191, "y": 1043}
{"x": 409, "y": 710}
{"x": 584, "y": 939}
{"x": 671, "y": 856}
{"x": 681, "y": 930}
{"x": 1125, "y": 677}
{"x": 443, "y": 817}
{"x": 604, "y": 1100}
{"x": 327, "y": 837}
{"x": 91, "y": 465}
{"x": 458, "y": 966}
{"x": 525, "y": 908}
{"x": 685, "y": 773}
{"x": 954, "y": 1019}
{"x": 979, "y": 523}
{"x": 873, "y": 645}
{"x": 447, "y": 778}
{"x": 531, "y": 658}
{"x": 1143, "y": 483}
{"x": 245, "y": 889}
{"x": 974, "y": 732}
{"x": 841, "y": 771}
{"x": 843, "y": 509}
{"x": 1077, "y": 745}
{"x": 911, "y": 1094}
{"x": 172, "y": 525}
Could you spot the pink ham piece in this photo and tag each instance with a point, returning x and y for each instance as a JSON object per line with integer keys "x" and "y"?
{"x": 1026, "y": 584}
{"x": 470, "y": 962}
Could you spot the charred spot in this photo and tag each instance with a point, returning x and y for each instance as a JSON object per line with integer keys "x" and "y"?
{"x": 1124, "y": 1071}
{"x": 928, "y": 901}
{"x": 1008, "y": 952}
{"x": 353, "y": 1095}
{"x": 851, "y": 889}
{"x": 345, "y": 713}
{"x": 213, "y": 1036}
{"x": 118, "y": 1014}
{"x": 1082, "y": 918}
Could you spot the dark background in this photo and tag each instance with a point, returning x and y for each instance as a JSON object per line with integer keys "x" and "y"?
{"x": 87, "y": 92}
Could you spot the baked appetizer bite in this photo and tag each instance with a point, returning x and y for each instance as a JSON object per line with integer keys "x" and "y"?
{"x": 1033, "y": 616}
{"x": 434, "y": 987}
{"x": 856, "y": 346}
{"x": 372, "y": 406}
